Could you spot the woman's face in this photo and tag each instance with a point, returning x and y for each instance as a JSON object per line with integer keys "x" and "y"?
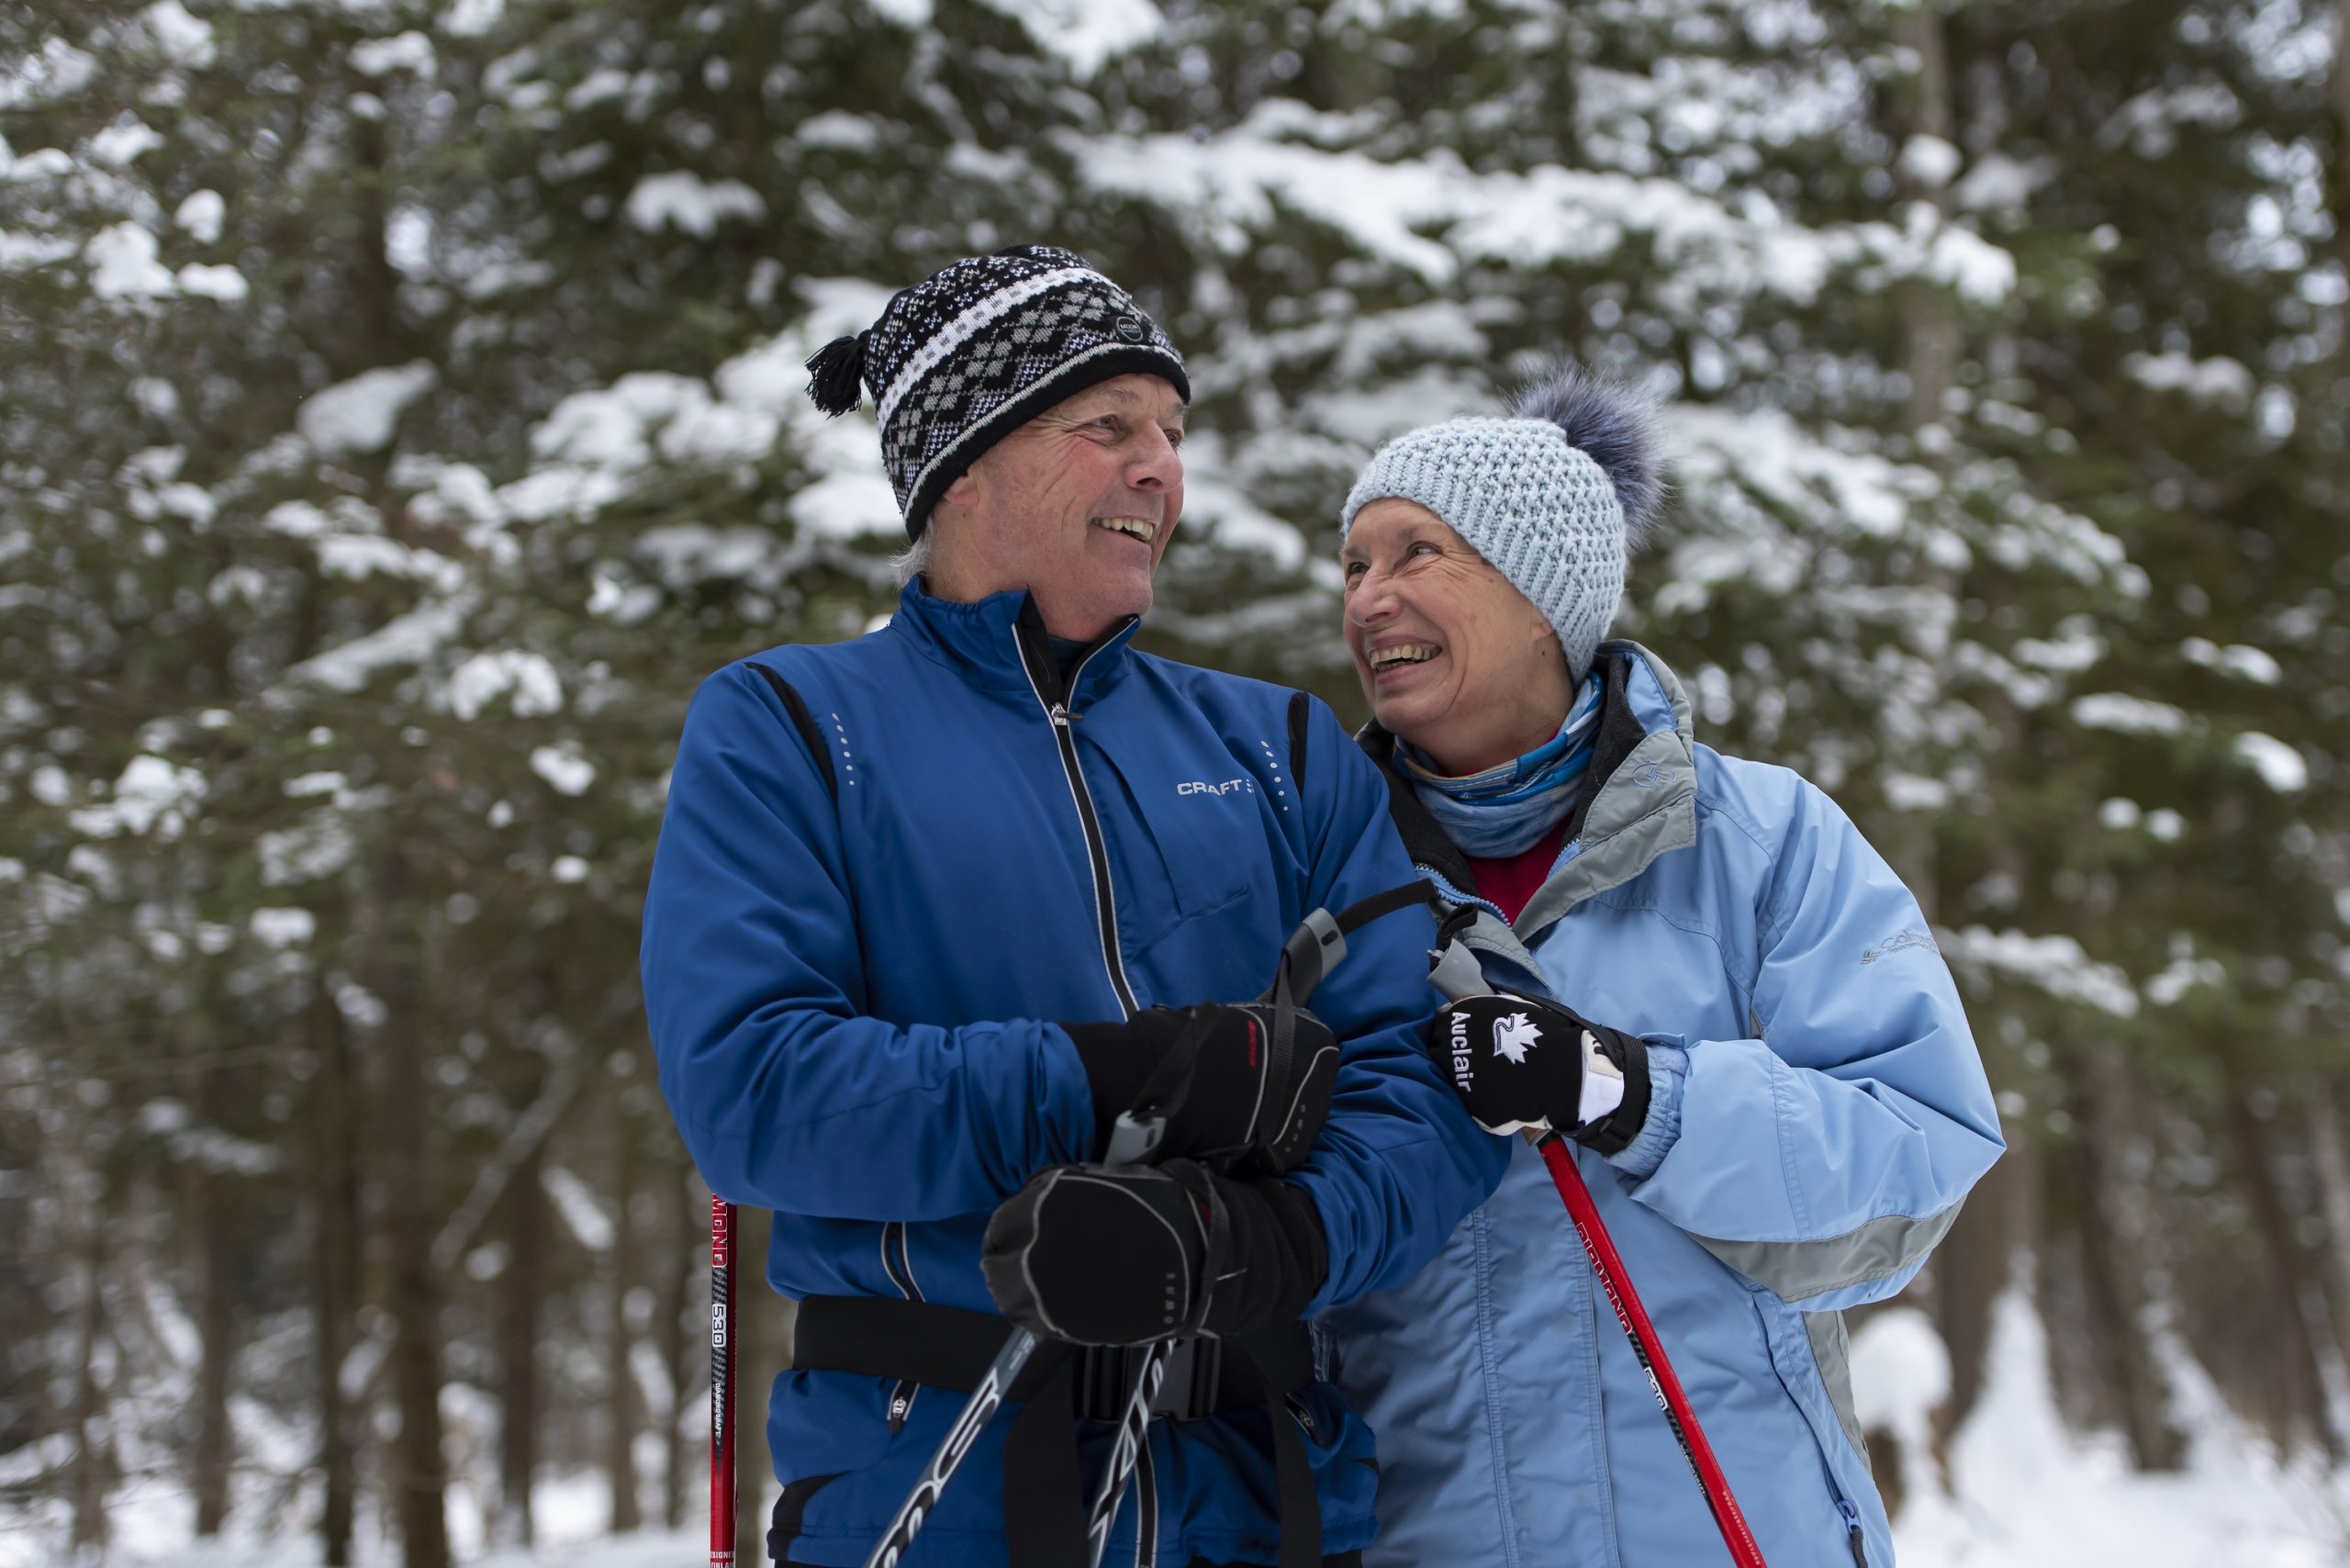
{"x": 1453, "y": 658}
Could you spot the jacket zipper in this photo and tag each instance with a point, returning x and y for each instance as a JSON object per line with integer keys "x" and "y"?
{"x": 1852, "y": 1524}
{"x": 1105, "y": 902}
{"x": 899, "y": 1265}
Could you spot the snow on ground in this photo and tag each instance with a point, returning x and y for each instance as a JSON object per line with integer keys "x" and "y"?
{"x": 2027, "y": 1491}
{"x": 2030, "y": 1493}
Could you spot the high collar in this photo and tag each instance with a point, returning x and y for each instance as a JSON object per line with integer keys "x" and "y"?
{"x": 999, "y": 644}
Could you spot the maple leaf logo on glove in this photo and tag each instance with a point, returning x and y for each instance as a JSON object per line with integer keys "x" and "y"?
{"x": 1513, "y": 1036}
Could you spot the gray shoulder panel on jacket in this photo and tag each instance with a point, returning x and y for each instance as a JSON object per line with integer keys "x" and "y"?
{"x": 1798, "y": 1270}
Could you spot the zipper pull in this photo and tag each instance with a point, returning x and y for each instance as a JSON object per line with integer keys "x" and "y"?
{"x": 1853, "y": 1523}
{"x": 901, "y": 1403}
{"x": 1062, "y": 717}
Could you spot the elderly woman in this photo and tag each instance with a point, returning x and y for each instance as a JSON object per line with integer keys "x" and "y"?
{"x": 1718, "y": 991}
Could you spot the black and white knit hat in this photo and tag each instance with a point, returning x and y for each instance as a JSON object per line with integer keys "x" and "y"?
{"x": 976, "y": 350}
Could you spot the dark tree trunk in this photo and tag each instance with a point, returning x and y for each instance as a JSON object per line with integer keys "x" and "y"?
{"x": 1922, "y": 107}
{"x": 2114, "y": 1265}
{"x": 2333, "y": 1163}
{"x": 217, "y": 1260}
{"x": 520, "y": 1404}
{"x": 413, "y": 1286}
{"x": 2338, "y": 166}
{"x": 2301, "y": 1391}
{"x": 623, "y": 1417}
{"x": 94, "y": 1464}
{"x": 677, "y": 1260}
{"x": 335, "y": 1236}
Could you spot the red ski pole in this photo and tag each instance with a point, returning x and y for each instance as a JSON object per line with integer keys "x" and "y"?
{"x": 721, "y": 1383}
{"x": 1608, "y": 1265}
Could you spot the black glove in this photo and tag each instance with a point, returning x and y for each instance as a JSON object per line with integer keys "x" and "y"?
{"x": 1521, "y": 1063}
{"x": 1128, "y": 1254}
{"x": 1216, "y": 1074}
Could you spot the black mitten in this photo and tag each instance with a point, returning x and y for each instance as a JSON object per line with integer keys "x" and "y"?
{"x": 1129, "y": 1254}
{"x": 1520, "y": 1063}
{"x": 1221, "y": 1077}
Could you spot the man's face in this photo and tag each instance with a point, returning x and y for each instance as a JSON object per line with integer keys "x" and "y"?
{"x": 1076, "y": 506}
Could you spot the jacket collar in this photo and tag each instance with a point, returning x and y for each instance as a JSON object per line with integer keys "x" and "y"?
{"x": 999, "y": 644}
{"x": 1641, "y": 802}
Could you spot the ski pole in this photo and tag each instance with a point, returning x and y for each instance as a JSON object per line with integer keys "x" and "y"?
{"x": 1608, "y": 1265}
{"x": 1314, "y": 948}
{"x": 721, "y": 1383}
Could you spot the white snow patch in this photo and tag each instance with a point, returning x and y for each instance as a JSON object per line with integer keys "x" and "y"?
{"x": 683, "y": 200}
{"x": 2281, "y": 767}
{"x": 1999, "y": 183}
{"x": 2166, "y": 824}
{"x": 201, "y": 215}
{"x": 581, "y": 1209}
{"x": 2029, "y": 1492}
{"x": 1915, "y": 792}
{"x": 320, "y": 846}
{"x": 184, "y": 40}
{"x": 564, "y": 768}
{"x": 152, "y": 792}
{"x": 2239, "y": 659}
{"x": 2119, "y": 814}
{"x": 122, "y": 263}
{"x": 1929, "y": 160}
{"x": 484, "y": 678}
{"x": 2056, "y": 965}
{"x": 569, "y": 868}
{"x": 284, "y": 927}
{"x": 909, "y": 13}
{"x": 1084, "y": 32}
{"x": 471, "y": 18}
{"x": 361, "y": 414}
{"x": 410, "y": 51}
{"x": 838, "y": 127}
{"x": 2220, "y": 380}
{"x": 122, "y": 144}
{"x": 410, "y": 638}
{"x": 2128, "y": 715}
{"x": 222, "y": 283}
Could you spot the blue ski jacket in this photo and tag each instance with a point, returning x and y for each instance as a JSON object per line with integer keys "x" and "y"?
{"x": 1819, "y": 1112}
{"x": 886, "y": 867}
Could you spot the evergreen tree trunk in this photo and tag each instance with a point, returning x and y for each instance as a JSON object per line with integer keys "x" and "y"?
{"x": 523, "y": 1289}
{"x": 2301, "y": 1390}
{"x": 2333, "y": 1163}
{"x": 216, "y": 1324}
{"x": 676, "y": 1256}
{"x": 92, "y": 1471}
{"x": 413, "y": 1286}
{"x": 2337, "y": 168}
{"x": 622, "y": 1416}
{"x": 335, "y": 1264}
{"x": 1929, "y": 316}
{"x": 2115, "y": 1269}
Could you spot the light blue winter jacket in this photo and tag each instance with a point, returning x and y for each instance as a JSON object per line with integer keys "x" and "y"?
{"x": 1818, "y": 1113}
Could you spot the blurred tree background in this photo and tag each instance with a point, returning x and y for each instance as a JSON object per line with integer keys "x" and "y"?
{"x": 402, "y": 411}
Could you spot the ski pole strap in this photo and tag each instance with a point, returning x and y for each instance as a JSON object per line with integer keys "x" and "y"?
{"x": 949, "y": 1348}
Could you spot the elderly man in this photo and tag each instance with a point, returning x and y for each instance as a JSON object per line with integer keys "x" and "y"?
{"x": 934, "y": 907}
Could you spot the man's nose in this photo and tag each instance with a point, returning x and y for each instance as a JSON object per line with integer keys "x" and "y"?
{"x": 1156, "y": 465}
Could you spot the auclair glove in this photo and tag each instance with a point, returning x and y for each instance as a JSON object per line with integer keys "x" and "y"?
{"x": 1518, "y": 1062}
{"x": 1216, "y": 1074}
{"x": 1124, "y": 1255}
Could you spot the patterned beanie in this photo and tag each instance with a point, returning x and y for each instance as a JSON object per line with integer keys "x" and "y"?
{"x": 967, "y": 355}
{"x": 1554, "y": 497}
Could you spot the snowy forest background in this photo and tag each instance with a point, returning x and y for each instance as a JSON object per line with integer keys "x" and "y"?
{"x": 400, "y": 410}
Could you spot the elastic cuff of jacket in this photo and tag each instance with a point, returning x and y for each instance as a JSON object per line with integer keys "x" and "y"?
{"x": 1308, "y": 1246}
{"x": 1640, "y": 1158}
{"x": 1118, "y": 1062}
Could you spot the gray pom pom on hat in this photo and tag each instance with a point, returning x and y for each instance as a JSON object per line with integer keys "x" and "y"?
{"x": 1553, "y": 496}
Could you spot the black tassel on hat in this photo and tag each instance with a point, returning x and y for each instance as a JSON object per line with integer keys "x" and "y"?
{"x": 834, "y": 372}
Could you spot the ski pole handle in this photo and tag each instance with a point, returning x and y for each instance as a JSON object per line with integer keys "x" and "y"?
{"x": 721, "y": 1383}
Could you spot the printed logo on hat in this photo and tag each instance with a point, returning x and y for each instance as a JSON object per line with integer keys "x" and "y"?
{"x": 1130, "y": 328}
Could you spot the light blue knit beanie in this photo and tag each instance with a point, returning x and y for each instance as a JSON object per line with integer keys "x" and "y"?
{"x": 1554, "y": 497}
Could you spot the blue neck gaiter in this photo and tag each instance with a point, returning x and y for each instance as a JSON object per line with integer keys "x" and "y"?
{"x": 1507, "y": 808}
